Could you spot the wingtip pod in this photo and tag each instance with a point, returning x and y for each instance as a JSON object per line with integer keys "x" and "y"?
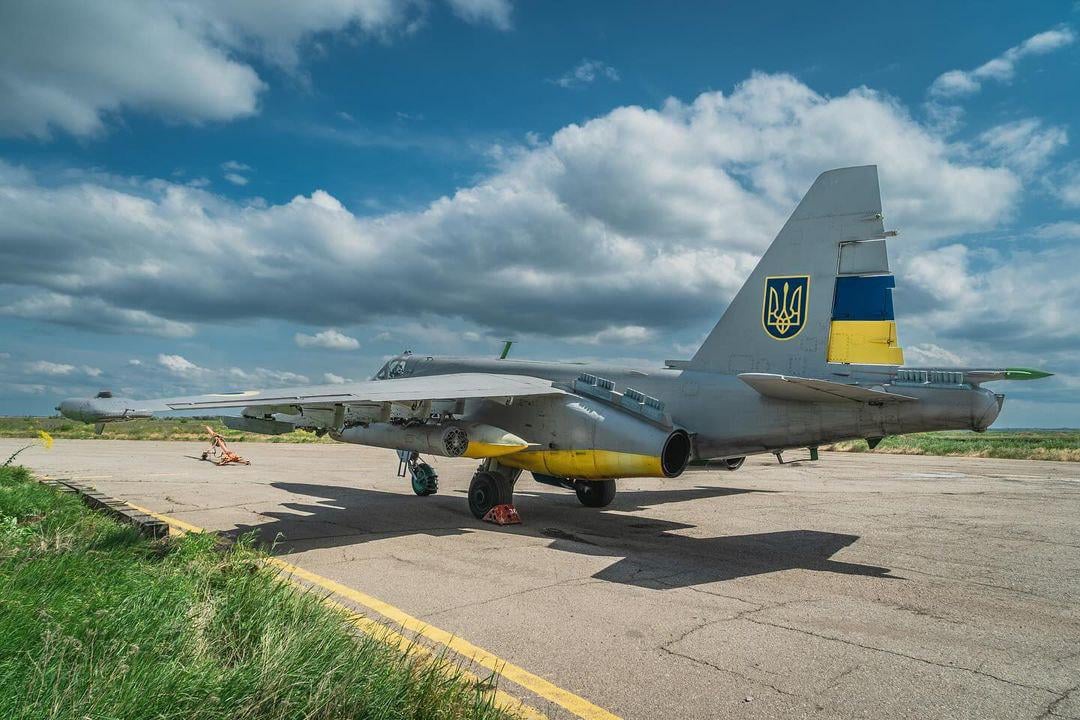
{"x": 102, "y": 409}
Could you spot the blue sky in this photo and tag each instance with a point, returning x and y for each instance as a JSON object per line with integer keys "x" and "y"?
{"x": 211, "y": 195}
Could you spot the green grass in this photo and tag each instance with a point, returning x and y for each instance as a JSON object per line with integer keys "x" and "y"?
{"x": 186, "y": 428}
{"x": 1011, "y": 444}
{"x": 97, "y": 622}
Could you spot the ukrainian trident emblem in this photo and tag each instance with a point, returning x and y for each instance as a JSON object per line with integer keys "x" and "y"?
{"x": 784, "y": 308}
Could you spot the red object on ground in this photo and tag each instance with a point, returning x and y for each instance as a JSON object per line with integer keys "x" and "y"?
{"x": 503, "y": 515}
{"x": 219, "y": 453}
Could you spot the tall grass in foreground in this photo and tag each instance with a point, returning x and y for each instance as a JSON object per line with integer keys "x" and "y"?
{"x": 1008, "y": 444}
{"x": 97, "y": 622}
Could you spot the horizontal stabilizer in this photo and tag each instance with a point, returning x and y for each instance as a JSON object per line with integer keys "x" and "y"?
{"x": 784, "y": 387}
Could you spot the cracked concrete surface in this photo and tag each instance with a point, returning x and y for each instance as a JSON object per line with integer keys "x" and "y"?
{"x": 861, "y": 586}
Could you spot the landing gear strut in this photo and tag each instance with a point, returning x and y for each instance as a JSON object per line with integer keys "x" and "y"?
{"x": 425, "y": 481}
{"x": 492, "y": 488}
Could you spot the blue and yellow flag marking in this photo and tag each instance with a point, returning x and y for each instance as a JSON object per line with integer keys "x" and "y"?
{"x": 864, "y": 298}
{"x": 863, "y": 327}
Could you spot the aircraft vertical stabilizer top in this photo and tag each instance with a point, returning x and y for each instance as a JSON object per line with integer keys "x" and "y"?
{"x": 807, "y": 353}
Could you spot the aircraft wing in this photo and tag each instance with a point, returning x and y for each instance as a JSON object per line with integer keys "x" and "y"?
{"x": 457, "y": 386}
{"x": 786, "y": 387}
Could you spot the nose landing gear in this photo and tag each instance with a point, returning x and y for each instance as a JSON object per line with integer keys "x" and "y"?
{"x": 425, "y": 481}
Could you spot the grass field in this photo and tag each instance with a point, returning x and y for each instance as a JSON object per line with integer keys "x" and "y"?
{"x": 186, "y": 428}
{"x": 98, "y": 622}
{"x": 1016, "y": 444}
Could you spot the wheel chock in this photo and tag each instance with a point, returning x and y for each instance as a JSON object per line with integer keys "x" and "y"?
{"x": 503, "y": 515}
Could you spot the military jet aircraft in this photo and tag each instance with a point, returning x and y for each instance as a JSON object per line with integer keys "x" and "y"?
{"x": 806, "y": 354}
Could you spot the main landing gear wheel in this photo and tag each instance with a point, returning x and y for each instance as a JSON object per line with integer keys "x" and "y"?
{"x": 487, "y": 490}
{"x": 595, "y": 493}
{"x": 424, "y": 480}
{"x": 733, "y": 463}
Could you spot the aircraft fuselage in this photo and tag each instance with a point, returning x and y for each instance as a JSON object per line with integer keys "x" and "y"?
{"x": 728, "y": 417}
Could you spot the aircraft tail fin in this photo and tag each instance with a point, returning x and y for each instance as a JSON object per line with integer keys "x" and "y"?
{"x": 821, "y": 293}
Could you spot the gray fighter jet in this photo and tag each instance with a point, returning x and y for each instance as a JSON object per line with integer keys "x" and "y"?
{"x": 806, "y": 354}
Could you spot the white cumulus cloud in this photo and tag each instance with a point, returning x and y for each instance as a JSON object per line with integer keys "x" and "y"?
{"x": 197, "y": 377}
{"x": 94, "y": 314}
{"x": 53, "y": 369}
{"x": 69, "y": 65}
{"x": 265, "y": 376}
{"x": 180, "y": 365}
{"x": 496, "y": 12}
{"x": 641, "y": 218}
{"x": 46, "y": 367}
{"x": 931, "y": 354}
{"x": 586, "y": 72}
{"x": 619, "y": 335}
{"x": 327, "y": 339}
{"x": 1066, "y": 185}
{"x": 1025, "y": 145}
{"x": 1002, "y": 68}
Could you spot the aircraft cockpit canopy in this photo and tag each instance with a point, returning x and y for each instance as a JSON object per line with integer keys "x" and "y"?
{"x": 394, "y": 368}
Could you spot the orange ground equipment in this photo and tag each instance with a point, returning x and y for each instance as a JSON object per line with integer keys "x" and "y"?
{"x": 503, "y": 515}
{"x": 219, "y": 453}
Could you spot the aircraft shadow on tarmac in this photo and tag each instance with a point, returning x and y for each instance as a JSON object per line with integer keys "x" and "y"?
{"x": 652, "y": 554}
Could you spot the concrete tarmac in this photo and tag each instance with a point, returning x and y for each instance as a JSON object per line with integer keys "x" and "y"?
{"x": 859, "y": 586}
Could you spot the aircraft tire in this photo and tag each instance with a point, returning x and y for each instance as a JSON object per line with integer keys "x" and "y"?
{"x": 424, "y": 480}
{"x": 595, "y": 493}
{"x": 487, "y": 490}
{"x": 734, "y": 463}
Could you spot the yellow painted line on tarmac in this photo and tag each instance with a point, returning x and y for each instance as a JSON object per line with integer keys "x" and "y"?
{"x": 371, "y": 627}
{"x": 389, "y": 636}
{"x": 578, "y": 706}
{"x": 174, "y": 523}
